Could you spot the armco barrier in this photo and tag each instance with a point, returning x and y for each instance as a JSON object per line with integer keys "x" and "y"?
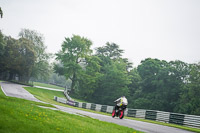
{"x": 84, "y": 105}
{"x": 109, "y": 109}
{"x": 167, "y": 117}
{"x": 131, "y": 112}
{"x": 162, "y": 116}
{"x": 192, "y": 120}
{"x": 76, "y": 104}
{"x": 98, "y": 107}
{"x": 140, "y": 113}
{"x": 151, "y": 115}
{"x": 93, "y": 106}
{"x": 88, "y": 105}
{"x": 176, "y": 118}
{"x": 103, "y": 108}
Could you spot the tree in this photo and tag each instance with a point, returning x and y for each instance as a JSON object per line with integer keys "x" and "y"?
{"x": 189, "y": 101}
{"x": 110, "y": 50}
{"x": 42, "y": 66}
{"x": 18, "y": 59}
{"x": 26, "y": 59}
{"x": 135, "y": 82}
{"x": 73, "y": 53}
{"x": 114, "y": 79}
{"x": 148, "y": 70}
{"x": 11, "y": 52}
{"x": 113, "y": 83}
{"x": 1, "y": 13}
{"x": 2, "y": 51}
{"x": 161, "y": 84}
{"x": 89, "y": 78}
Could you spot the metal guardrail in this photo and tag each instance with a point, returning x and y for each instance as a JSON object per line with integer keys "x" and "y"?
{"x": 167, "y": 117}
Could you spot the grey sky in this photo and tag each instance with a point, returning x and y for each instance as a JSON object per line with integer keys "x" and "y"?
{"x": 163, "y": 29}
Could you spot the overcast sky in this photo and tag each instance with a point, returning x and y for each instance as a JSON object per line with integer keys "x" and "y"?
{"x": 164, "y": 29}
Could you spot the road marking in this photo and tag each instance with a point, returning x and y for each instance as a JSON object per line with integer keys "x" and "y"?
{"x": 3, "y": 91}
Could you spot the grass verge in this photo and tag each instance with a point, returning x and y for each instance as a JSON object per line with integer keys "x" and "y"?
{"x": 45, "y": 95}
{"x": 23, "y": 116}
{"x": 48, "y": 85}
{"x": 48, "y": 95}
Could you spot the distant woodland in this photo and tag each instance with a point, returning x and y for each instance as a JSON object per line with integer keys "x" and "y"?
{"x": 102, "y": 75}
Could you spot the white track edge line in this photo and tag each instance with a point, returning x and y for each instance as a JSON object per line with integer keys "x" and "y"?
{"x": 3, "y": 90}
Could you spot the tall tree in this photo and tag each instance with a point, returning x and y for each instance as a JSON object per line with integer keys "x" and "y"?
{"x": 161, "y": 84}
{"x": 73, "y": 53}
{"x": 113, "y": 83}
{"x": 89, "y": 78}
{"x": 18, "y": 59}
{"x": 41, "y": 65}
{"x": 26, "y": 59}
{"x": 189, "y": 102}
{"x": 10, "y": 57}
{"x": 1, "y": 13}
{"x": 2, "y": 51}
{"x": 110, "y": 50}
{"x": 115, "y": 78}
{"x": 135, "y": 82}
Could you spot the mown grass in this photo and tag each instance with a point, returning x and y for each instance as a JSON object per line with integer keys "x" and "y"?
{"x": 54, "y": 87}
{"x": 48, "y": 95}
{"x": 48, "y": 85}
{"x": 45, "y": 95}
{"x": 23, "y": 116}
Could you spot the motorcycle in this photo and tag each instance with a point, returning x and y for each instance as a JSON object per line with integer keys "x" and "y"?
{"x": 119, "y": 111}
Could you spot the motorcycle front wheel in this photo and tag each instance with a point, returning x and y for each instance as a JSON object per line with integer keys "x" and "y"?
{"x": 121, "y": 114}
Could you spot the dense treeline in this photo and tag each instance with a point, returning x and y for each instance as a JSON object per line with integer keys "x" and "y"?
{"x": 23, "y": 58}
{"x": 104, "y": 75}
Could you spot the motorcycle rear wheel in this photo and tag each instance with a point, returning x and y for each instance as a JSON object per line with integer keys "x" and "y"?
{"x": 113, "y": 113}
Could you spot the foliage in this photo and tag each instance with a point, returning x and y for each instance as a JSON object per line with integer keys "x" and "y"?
{"x": 161, "y": 84}
{"x": 18, "y": 58}
{"x": 73, "y": 53}
{"x": 115, "y": 78}
{"x": 90, "y": 77}
{"x": 189, "y": 101}
{"x": 2, "y": 51}
{"x": 1, "y": 13}
{"x": 27, "y": 58}
{"x": 113, "y": 84}
{"x": 110, "y": 50}
{"x": 42, "y": 66}
{"x": 24, "y": 57}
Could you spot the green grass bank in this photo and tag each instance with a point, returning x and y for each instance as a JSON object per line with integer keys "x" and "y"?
{"x": 23, "y": 116}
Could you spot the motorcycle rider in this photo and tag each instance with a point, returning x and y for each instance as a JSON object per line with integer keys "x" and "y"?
{"x": 122, "y": 101}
